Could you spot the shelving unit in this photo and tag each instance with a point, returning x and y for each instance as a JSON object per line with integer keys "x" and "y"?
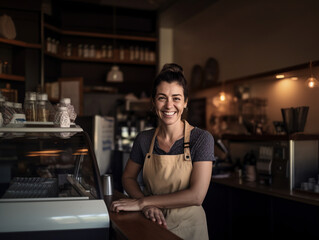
{"x": 20, "y": 43}
{"x": 12, "y": 77}
{"x": 22, "y": 54}
{"x": 99, "y": 60}
{"x": 78, "y": 23}
{"x": 88, "y": 24}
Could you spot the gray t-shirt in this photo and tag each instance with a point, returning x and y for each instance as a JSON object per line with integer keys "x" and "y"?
{"x": 201, "y": 146}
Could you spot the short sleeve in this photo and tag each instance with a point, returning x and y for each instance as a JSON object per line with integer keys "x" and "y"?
{"x": 203, "y": 147}
{"x": 141, "y": 146}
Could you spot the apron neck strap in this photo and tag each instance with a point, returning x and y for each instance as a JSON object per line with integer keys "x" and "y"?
{"x": 187, "y": 133}
{"x": 187, "y": 155}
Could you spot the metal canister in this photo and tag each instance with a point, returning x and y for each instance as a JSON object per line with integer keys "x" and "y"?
{"x": 108, "y": 184}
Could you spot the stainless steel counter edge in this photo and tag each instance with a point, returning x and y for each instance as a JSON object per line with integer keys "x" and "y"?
{"x": 294, "y": 195}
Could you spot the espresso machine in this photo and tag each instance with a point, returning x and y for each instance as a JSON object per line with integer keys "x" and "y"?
{"x": 286, "y": 163}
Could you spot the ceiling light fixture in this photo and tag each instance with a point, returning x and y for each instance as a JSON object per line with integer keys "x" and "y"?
{"x": 312, "y": 82}
{"x": 280, "y": 76}
{"x": 115, "y": 74}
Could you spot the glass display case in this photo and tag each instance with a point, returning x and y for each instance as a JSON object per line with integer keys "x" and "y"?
{"x": 49, "y": 181}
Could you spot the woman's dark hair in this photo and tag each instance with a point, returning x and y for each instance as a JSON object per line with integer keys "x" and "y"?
{"x": 171, "y": 72}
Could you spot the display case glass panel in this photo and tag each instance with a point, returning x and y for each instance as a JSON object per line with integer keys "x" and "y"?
{"x": 48, "y": 165}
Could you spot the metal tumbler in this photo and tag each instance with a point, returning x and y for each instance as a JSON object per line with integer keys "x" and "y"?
{"x": 107, "y": 184}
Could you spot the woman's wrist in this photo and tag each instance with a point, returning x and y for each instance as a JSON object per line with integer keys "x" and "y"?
{"x": 142, "y": 203}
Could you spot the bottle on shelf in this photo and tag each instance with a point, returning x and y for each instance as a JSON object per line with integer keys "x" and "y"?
{"x": 69, "y": 50}
{"x": 80, "y": 50}
{"x": 86, "y": 51}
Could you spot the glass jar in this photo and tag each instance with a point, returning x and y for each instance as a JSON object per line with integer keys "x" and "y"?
{"x": 110, "y": 51}
{"x": 62, "y": 118}
{"x": 92, "y": 51}
{"x": 104, "y": 51}
{"x": 122, "y": 53}
{"x": 69, "y": 50}
{"x": 30, "y": 108}
{"x": 80, "y": 50}
{"x": 43, "y": 107}
{"x": 86, "y": 51}
{"x": 48, "y": 44}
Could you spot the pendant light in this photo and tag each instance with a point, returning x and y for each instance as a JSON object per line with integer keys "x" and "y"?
{"x": 115, "y": 74}
{"x": 222, "y": 98}
{"x": 312, "y": 82}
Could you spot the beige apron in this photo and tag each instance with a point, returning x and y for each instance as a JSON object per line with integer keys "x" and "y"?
{"x": 171, "y": 173}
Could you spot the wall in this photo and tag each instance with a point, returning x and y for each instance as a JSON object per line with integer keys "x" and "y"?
{"x": 165, "y": 46}
{"x": 249, "y": 37}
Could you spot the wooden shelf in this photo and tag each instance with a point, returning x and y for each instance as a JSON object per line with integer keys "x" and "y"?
{"x": 12, "y": 77}
{"x": 98, "y": 60}
{"x": 20, "y": 43}
{"x": 99, "y": 35}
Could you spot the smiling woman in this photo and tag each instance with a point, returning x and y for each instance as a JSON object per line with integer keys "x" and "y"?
{"x": 176, "y": 159}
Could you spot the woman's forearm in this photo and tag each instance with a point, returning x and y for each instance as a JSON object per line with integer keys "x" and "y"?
{"x": 178, "y": 199}
{"x": 132, "y": 187}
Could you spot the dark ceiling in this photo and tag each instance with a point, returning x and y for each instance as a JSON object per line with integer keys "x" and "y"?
{"x": 157, "y": 5}
{"x": 171, "y": 12}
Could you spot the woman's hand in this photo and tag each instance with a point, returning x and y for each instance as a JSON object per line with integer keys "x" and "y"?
{"x": 155, "y": 214}
{"x": 127, "y": 204}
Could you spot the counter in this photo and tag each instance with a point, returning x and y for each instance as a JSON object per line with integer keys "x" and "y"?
{"x": 133, "y": 225}
{"x": 294, "y": 195}
{"x": 237, "y": 209}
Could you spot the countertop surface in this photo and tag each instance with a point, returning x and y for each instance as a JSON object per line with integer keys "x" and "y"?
{"x": 294, "y": 195}
{"x": 134, "y": 226}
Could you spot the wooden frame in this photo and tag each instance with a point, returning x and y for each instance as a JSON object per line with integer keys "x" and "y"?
{"x": 72, "y": 88}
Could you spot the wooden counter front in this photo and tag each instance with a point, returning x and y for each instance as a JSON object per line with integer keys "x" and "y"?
{"x": 133, "y": 225}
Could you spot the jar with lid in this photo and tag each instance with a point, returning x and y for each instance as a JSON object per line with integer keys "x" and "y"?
{"x": 122, "y": 53}
{"x": 66, "y": 102}
{"x": 45, "y": 110}
{"x": 86, "y": 50}
{"x": 62, "y": 118}
{"x": 69, "y": 50}
{"x": 80, "y": 50}
{"x": 104, "y": 51}
{"x": 92, "y": 51}
{"x": 53, "y": 45}
{"x": 30, "y": 108}
{"x": 110, "y": 51}
{"x": 48, "y": 44}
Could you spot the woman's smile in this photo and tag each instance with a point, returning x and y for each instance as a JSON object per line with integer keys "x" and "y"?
{"x": 170, "y": 102}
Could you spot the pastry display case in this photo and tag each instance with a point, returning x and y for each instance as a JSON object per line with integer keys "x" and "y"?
{"x": 50, "y": 185}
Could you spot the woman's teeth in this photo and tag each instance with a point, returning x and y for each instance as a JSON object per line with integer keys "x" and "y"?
{"x": 169, "y": 113}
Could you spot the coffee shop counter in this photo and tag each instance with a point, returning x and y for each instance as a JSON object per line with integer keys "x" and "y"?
{"x": 294, "y": 195}
{"x": 133, "y": 225}
{"x": 238, "y": 209}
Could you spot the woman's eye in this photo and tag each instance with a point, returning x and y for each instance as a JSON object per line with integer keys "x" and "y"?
{"x": 176, "y": 99}
{"x": 161, "y": 98}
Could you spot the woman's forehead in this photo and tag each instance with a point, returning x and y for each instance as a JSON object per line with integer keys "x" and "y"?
{"x": 172, "y": 88}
